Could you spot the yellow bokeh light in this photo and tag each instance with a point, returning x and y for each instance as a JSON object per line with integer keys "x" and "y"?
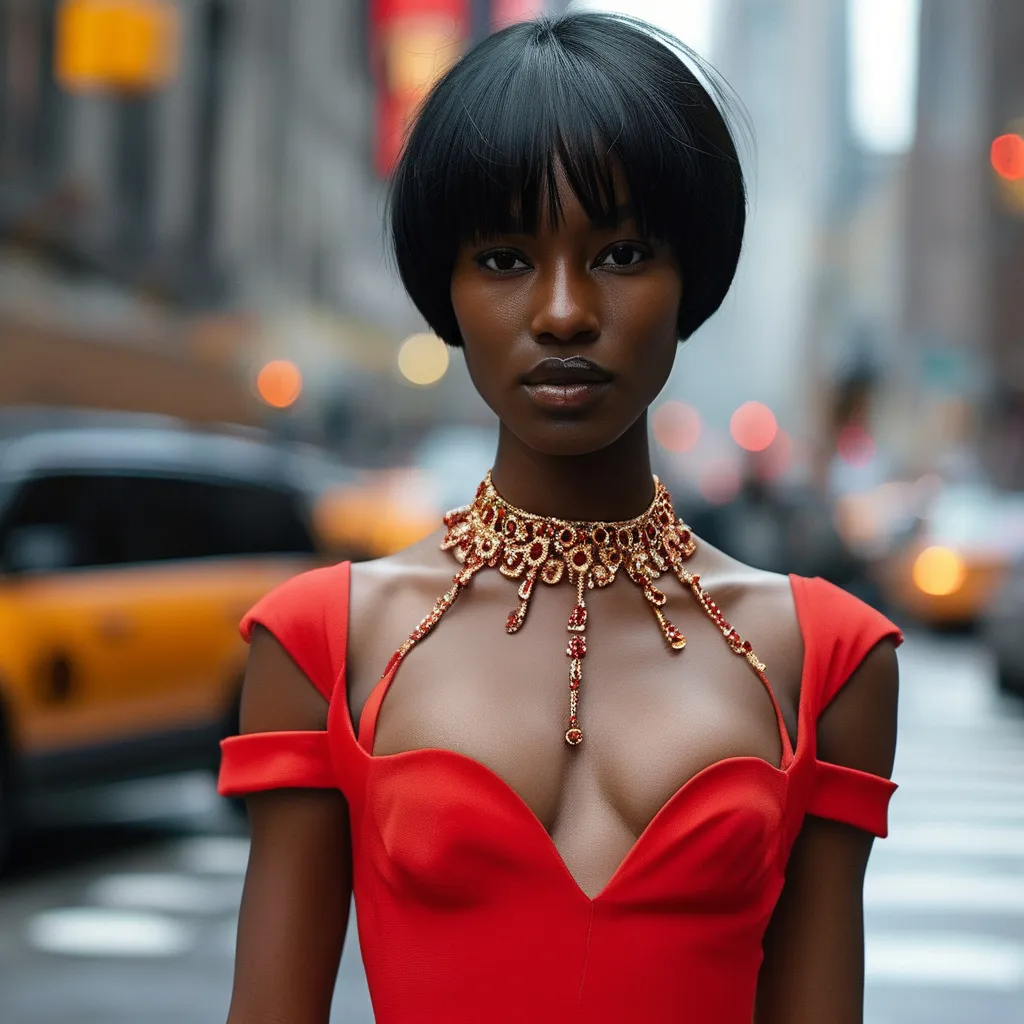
{"x": 939, "y": 572}
{"x": 423, "y": 359}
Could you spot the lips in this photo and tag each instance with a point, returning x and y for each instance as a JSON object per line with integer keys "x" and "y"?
{"x": 574, "y": 371}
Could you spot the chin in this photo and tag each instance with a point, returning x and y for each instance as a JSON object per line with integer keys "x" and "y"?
{"x": 568, "y": 438}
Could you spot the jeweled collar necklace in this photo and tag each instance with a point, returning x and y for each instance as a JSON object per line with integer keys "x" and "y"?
{"x": 493, "y": 534}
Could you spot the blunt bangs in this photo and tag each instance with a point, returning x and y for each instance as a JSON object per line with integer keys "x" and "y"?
{"x": 587, "y": 96}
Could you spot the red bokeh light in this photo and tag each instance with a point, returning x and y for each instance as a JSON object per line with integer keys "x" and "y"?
{"x": 676, "y": 426}
{"x": 753, "y": 426}
{"x": 855, "y": 445}
{"x": 776, "y": 459}
{"x": 719, "y": 482}
{"x": 1007, "y": 156}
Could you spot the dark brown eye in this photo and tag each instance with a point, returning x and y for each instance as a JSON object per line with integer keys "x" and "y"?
{"x": 625, "y": 255}
{"x": 502, "y": 262}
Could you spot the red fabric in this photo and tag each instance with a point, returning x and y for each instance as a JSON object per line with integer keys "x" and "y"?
{"x": 854, "y": 797}
{"x": 467, "y": 912}
{"x": 275, "y": 760}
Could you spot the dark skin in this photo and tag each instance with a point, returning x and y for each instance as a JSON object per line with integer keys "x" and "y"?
{"x": 652, "y": 719}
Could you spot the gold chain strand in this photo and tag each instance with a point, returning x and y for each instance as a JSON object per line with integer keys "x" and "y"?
{"x": 493, "y": 533}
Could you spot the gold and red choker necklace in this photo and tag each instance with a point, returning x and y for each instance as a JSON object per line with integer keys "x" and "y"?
{"x": 491, "y": 533}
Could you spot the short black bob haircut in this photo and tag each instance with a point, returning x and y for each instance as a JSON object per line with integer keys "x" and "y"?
{"x": 584, "y": 92}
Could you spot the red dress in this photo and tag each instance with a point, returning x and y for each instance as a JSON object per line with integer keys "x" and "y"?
{"x": 465, "y": 909}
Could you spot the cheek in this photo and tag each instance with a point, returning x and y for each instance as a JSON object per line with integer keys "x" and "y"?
{"x": 650, "y": 316}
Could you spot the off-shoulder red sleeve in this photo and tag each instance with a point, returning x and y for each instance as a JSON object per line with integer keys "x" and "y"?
{"x": 840, "y": 631}
{"x": 308, "y": 615}
{"x": 851, "y": 796}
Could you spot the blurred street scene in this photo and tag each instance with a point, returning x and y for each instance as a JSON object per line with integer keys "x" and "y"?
{"x": 197, "y": 315}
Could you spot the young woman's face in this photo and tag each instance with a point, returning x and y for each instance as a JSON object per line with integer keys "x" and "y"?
{"x": 570, "y": 333}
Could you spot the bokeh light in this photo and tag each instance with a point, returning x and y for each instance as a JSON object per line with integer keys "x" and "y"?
{"x": 1007, "y": 156}
{"x": 719, "y": 481}
{"x": 777, "y": 459}
{"x": 856, "y": 447}
{"x": 279, "y": 383}
{"x": 676, "y": 426}
{"x": 939, "y": 572}
{"x": 753, "y": 426}
{"x": 423, "y": 359}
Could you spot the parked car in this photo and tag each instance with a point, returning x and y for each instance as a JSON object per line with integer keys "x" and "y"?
{"x": 129, "y": 549}
{"x": 384, "y": 511}
{"x": 948, "y": 571}
{"x": 1001, "y": 625}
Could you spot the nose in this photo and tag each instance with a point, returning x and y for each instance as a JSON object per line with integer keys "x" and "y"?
{"x": 565, "y": 306}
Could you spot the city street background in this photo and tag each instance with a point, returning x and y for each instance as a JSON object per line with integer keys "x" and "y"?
{"x": 211, "y": 379}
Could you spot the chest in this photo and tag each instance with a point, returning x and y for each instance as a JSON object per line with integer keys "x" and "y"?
{"x": 653, "y": 718}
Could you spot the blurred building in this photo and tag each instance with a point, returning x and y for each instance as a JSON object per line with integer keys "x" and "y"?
{"x": 200, "y": 187}
{"x": 965, "y": 231}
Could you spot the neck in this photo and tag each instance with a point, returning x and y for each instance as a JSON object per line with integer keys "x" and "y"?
{"x": 609, "y": 485}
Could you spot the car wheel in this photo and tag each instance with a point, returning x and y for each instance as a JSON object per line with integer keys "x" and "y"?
{"x": 229, "y": 727}
{"x": 1010, "y": 679}
{"x": 7, "y": 802}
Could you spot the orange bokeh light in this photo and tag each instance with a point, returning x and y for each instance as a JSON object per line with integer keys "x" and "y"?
{"x": 1007, "y": 156}
{"x": 279, "y": 383}
{"x": 753, "y": 426}
{"x": 676, "y": 426}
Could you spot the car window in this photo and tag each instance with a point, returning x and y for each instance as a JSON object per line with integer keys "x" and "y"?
{"x": 81, "y": 520}
{"x": 57, "y": 522}
{"x": 168, "y": 518}
{"x": 249, "y": 519}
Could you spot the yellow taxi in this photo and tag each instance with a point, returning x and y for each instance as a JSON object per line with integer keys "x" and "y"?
{"x": 950, "y": 569}
{"x": 128, "y": 552}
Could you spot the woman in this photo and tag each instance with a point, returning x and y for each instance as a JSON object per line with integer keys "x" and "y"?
{"x": 588, "y": 795}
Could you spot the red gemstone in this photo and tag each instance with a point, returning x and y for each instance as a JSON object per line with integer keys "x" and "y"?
{"x": 510, "y": 528}
{"x": 652, "y": 531}
{"x": 579, "y": 558}
{"x": 511, "y": 623}
{"x": 747, "y": 646}
{"x": 577, "y": 647}
{"x": 578, "y": 617}
{"x": 573, "y": 720}
{"x": 600, "y": 535}
{"x": 501, "y": 513}
{"x": 536, "y": 551}
{"x": 574, "y": 684}
{"x": 488, "y": 516}
{"x": 566, "y": 536}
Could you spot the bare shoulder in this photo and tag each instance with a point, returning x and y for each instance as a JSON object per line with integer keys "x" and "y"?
{"x": 388, "y": 597}
{"x": 761, "y": 606}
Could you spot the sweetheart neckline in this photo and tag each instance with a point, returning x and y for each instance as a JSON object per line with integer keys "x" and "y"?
{"x": 641, "y": 841}
{"x": 354, "y": 734}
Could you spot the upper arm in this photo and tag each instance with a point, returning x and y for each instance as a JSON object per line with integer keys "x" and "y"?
{"x": 297, "y": 891}
{"x": 813, "y": 967}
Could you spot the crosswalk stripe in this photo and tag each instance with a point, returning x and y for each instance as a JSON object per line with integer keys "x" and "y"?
{"x": 999, "y": 895}
{"x": 951, "y": 837}
{"x": 944, "y": 960}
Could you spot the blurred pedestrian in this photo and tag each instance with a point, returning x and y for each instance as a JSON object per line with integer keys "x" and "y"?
{"x": 567, "y": 798}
